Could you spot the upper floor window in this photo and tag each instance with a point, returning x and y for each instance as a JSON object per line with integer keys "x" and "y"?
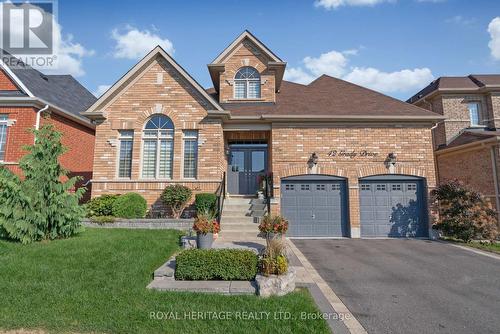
{"x": 475, "y": 113}
{"x": 158, "y": 148}
{"x": 3, "y": 135}
{"x": 247, "y": 83}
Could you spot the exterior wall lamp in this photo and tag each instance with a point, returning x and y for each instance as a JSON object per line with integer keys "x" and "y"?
{"x": 312, "y": 163}
{"x": 390, "y": 162}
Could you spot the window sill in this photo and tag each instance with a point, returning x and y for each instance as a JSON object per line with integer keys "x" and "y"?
{"x": 247, "y": 100}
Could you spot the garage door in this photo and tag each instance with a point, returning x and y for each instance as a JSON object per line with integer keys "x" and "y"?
{"x": 315, "y": 206}
{"x": 393, "y": 206}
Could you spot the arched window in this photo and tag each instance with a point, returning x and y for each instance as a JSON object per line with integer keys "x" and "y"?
{"x": 158, "y": 147}
{"x": 247, "y": 83}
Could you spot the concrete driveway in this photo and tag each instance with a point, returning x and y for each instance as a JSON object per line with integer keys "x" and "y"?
{"x": 410, "y": 286}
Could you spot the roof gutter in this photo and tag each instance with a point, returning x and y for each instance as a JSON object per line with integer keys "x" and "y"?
{"x": 39, "y": 103}
{"x": 364, "y": 118}
{"x": 480, "y": 143}
{"x": 482, "y": 89}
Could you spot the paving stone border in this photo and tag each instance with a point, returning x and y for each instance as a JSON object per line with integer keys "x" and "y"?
{"x": 176, "y": 224}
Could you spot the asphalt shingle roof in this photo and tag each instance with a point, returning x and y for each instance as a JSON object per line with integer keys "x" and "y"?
{"x": 62, "y": 91}
{"x": 327, "y": 96}
{"x": 468, "y": 83}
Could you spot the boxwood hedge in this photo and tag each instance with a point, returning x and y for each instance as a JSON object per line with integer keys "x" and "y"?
{"x": 216, "y": 264}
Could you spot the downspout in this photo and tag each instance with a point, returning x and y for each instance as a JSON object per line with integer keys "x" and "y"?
{"x": 38, "y": 116}
{"x": 495, "y": 177}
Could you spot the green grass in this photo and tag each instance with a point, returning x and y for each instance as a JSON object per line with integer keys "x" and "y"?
{"x": 495, "y": 247}
{"x": 96, "y": 282}
{"x": 483, "y": 245}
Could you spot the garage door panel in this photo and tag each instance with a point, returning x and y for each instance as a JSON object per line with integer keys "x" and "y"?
{"x": 315, "y": 208}
{"x": 392, "y": 208}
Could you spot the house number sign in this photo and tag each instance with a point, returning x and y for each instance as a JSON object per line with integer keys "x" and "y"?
{"x": 351, "y": 154}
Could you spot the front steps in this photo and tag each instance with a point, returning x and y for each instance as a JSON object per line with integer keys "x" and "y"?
{"x": 239, "y": 221}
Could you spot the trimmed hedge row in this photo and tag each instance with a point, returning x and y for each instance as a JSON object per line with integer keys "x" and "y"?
{"x": 216, "y": 264}
{"x": 205, "y": 202}
{"x": 129, "y": 205}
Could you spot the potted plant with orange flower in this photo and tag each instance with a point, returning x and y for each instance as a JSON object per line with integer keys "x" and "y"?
{"x": 273, "y": 226}
{"x": 205, "y": 225}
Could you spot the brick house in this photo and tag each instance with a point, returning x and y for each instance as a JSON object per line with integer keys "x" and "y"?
{"x": 345, "y": 160}
{"x": 466, "y": 142}
{"x": 29, "y": 99}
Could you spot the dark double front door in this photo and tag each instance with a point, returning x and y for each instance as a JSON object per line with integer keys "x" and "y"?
{"x": 246, "y": 163}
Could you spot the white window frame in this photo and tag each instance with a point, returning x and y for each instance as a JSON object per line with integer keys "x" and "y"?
{"x": 4, "y": 121}
{"x": 190, "y": 135}
{"x": 246, "y": 82}
{"x": 479, "y": 114}
{"x": 167, "y": 134}
{"x": 129, "y": 136}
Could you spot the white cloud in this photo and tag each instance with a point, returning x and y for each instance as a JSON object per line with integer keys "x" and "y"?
{"x": 335, "y": 63}
{"x": 134, "y": 44}
{"x": 334, "y": 4}
{"x": 101, "y": 89}
{"x": 332, "y": 63}
{"x": 494, "y": 31}
{"x": 459, "y": 19}
{"x": 390, "y": 82}
{"x": 298, "y": 75}
{"x": 69, "y": 54}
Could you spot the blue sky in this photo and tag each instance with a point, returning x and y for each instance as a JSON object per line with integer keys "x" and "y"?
{"x": 395, "y": 46}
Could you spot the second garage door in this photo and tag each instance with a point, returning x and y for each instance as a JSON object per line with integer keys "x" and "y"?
{"x": 392, "y": 206}
{"x": 315, "y": 205}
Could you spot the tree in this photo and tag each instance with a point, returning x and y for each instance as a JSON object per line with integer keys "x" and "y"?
{"x": 42, "y": 205}
{"x": 463, "y": 212}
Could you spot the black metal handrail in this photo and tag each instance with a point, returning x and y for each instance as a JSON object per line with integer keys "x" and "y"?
{"x": 268, "y": 191}
{"x": 221, "y": 194}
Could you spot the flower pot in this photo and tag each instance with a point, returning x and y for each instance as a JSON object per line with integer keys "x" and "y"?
{"x": 272, "y": 235}
{"x": 204, "y": 240}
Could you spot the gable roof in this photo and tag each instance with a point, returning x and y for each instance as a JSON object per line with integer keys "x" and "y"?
{"x": 238, "y": 40}
{"x": 472, "y": 82}
{"x": 330, "y": 98}
{"x": 61, "y": 91}
{"x": 275, "y": 62}
{"x": 94, "y": 111}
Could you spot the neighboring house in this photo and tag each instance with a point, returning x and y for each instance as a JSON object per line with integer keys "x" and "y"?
{"x": 345, "y": 160}
{"x": 467, "y": 141}
{"x": 29, "y": 99}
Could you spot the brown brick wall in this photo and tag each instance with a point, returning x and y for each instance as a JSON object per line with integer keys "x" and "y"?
{"x": 454, "y": 108}
{"x": 292, "y": 146}
{"x": 175, "y": 98}
{"x": 246, "y": 55}
{"x": 473, "y": 167}
{"x": 6, "y": 83}
{"x": 77, "y": 138}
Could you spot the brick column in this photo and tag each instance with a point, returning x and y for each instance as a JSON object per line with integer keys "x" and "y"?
{"x": 354, "y": 208}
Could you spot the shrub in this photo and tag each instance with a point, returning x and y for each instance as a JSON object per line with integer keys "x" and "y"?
{"x": 463, "y": 213}
{"x": 205, "y": 222}
{"x": 130, "y": 205}
{"x": 176, "y": 197}
{"x": 101, "y": 206}
{"x": 102, "y": 219}
{"x": 216, "y": 264}
{"x": 41, "y": 206}
{"x": 205, "y": 202}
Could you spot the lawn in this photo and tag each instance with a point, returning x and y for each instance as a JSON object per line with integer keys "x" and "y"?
{"x": 494, "y": 247}
{"x": 96, "y": 282}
